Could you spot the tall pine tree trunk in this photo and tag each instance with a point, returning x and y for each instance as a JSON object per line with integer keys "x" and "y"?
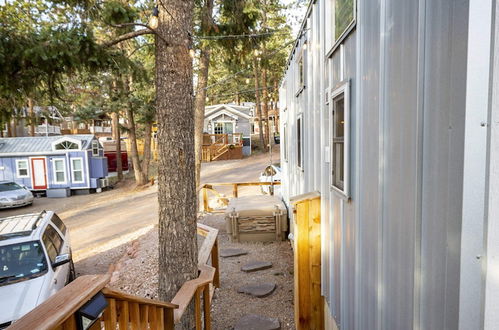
{"x": 147, "y": 150}
{"x": 31, "y": 115}
{"x": 200, "y": 102}
{"x": 140, "y": 180}
{"x": 263, "y": 145}
{"x": 178, "y": 252}
{"x": 115, "y": 122}
{"x": 265, "y": 96}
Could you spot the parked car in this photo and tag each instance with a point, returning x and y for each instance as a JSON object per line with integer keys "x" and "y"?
{"x": 272, "y": 173}
{"x": 14, "y": 195}
{"x": 35, "y": 262}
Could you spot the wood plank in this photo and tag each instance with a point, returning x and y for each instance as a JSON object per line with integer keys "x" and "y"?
{"x": 161, "y": 317}
{"x": 205, "y": 199}
{"x": 206, "y": 248}
{"x": 134, "y": 316}
{"x": 216, "y": 264}
{"x": 124, "y": 316}
{"x": 169, "y": 321}
{"x": 197, "y": 308}
{"x": 144, "y": 317}
{"x": 234, "y": 190}
{"x": 70, "y": 323}
{"x": 304, "y": 197}
{"x": 303, "y": 317}
{"x": 317, "y": 308}
{"x": 153, "y": 317}
{"x": 63, "y": 304}
{"x": 119, "y": 295}
{"x": 207, "y": 307}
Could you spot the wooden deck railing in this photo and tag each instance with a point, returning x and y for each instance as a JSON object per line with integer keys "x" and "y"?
{"x": 125, "y": 311}
{"x": 209, "y": 187}
{"x": 215, "y": 145}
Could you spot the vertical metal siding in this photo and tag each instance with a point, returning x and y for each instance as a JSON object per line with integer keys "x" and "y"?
{"x": 444, "y": 107}
{"x": 368, "y": 206}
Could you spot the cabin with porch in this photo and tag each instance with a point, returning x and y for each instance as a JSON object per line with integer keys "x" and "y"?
{"x": 59, "y": 165}
{"x": 389, "y": 153}
{"x": 227, "y": 132}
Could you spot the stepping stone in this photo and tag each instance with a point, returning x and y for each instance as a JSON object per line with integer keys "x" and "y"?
{"x": 259, "y": 290}
{"x": 226, "y": 253}
{"x": 256, "y": 265}
{"x": 257, "y": 322}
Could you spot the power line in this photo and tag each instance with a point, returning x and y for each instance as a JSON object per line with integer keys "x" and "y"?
{"x": 240, "y": 36}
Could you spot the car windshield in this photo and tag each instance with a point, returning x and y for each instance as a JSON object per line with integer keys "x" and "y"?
{"x": 21, "y": 261}
{"x": 8, "y": 186}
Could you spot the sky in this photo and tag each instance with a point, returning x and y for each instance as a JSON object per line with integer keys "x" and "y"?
{"x": 296, "y": 14}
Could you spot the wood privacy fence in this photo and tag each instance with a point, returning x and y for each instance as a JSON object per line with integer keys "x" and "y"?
{"x": 209, "y": 188}
{"x": 125, "y": 311}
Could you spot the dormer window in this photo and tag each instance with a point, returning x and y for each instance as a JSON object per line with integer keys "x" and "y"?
{"x": 66, "y": 144}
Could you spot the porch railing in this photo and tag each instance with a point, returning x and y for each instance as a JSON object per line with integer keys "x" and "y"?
{"x": 207, "y": 188}
{"x": 125, "y": 311}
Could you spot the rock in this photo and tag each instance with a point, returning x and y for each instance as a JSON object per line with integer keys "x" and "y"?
{"x": 259, "y": 290}
{"x": 257, "y": 322}
{"x": 226, "y": 253}
{"x": 256, "y": 265}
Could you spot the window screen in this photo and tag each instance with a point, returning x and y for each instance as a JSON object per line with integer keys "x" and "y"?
{"x": 339, "y": 142}
{"x": 299, "y": 142}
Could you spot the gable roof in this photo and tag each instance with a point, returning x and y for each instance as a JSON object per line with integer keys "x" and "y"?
{"x": 39, "y": 144}
{"x": 238, "y": 110}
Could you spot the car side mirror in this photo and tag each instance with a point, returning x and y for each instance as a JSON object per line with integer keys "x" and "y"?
{"x": 61, "y": 260}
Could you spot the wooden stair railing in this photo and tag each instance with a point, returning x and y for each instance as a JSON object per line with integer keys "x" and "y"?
{"x": 127, "y": 311}
{"x": 60, "y": 310}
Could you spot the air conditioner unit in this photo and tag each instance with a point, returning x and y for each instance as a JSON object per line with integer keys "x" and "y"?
{"x": 104, "y": 182}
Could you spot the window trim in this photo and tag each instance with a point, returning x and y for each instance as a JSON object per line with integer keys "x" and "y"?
{"x": 27, "y": 168}
{"x": 342, "y": 88}
{"x": 301, "y": 59}
{"x": 54, "y": 169}
{"x": 299, "y": 160}
{"x": 73, "y": 170}
{"x": 95, "y": 146}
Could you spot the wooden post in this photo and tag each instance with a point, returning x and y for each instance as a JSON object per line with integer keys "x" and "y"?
{"x": 234, "y": 191}
{"x": 206, "y": 305}
{"x": 215, "y": 264}
{"x": 169, "y": 320}
{"x": 205, "y": 200}
{"x": 197, "y": 308}
{"x": 124, "y": 316}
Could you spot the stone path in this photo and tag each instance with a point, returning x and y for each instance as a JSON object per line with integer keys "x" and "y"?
{"x": 257, "y": 322}
{"x": 259, "y": 290}
{"x": 256, "y": 266}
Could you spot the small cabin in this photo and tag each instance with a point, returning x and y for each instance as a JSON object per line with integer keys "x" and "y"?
{"x": 230, "y": 123}
{"x": 63, "y": 164}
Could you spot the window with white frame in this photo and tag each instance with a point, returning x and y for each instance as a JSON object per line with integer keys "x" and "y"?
{"x": 77, "y": 170}
{"x": 299, "y": 141}
{"x": 340, "y": 137}
{"x": 95, "y": 148}
{"x": 344, "y": 16}
{"x": 59, "y": 170}
{"x": 22, "y": 170}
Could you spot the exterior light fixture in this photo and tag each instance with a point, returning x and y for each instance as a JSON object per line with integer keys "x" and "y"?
{"x": 153, "y": 21}
{"x": 91, "y": 312}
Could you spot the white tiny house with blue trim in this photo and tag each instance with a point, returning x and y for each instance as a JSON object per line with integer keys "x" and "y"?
{"x": 52, "y": 163}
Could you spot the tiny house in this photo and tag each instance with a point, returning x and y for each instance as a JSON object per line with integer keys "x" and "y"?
{"x": 66, "y": 164}
{"x": 389, "y": 117}
{"x": 232, "y": 121}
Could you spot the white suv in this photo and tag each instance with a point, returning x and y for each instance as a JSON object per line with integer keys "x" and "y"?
{"x": 35, "y": 262}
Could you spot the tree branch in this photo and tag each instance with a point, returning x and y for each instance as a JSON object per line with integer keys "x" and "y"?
{"x": 128, "y": 36}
